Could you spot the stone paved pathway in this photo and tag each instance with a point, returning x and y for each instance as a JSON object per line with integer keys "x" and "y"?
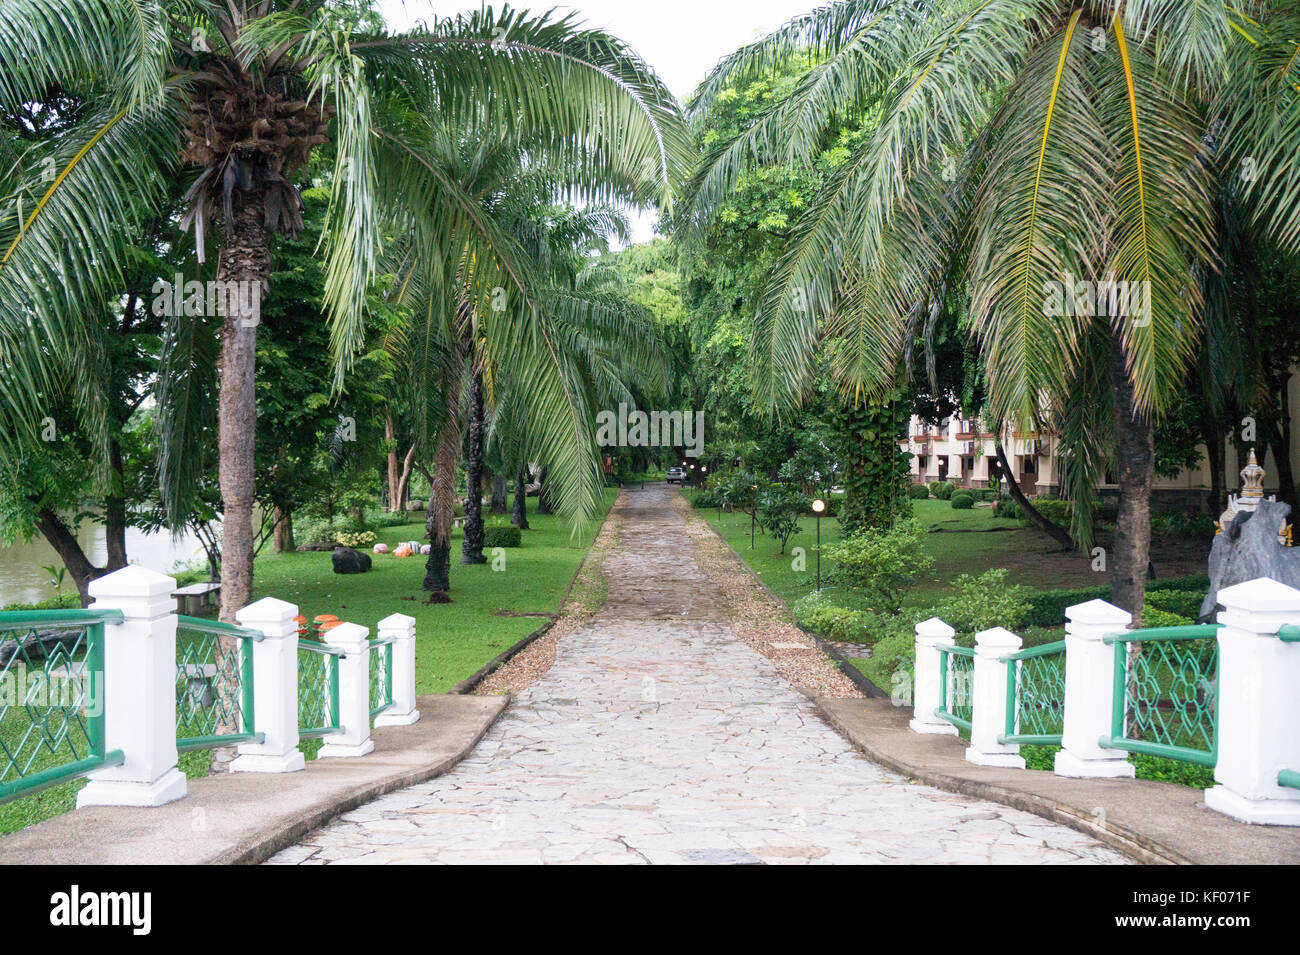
{"x": 657, "y": 737}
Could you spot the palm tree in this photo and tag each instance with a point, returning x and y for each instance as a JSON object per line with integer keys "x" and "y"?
{"x": 242, "y": 94}
{"x": 1021, "y": 147}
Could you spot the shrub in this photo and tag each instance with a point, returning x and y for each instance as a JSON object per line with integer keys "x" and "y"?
{"x": 1047, "y": 607}
{"x": 61, "y": 602}
{"x": 962, "y": 502}
{"x": 1184, "y": 603}
{"x": 355, "y": 538}
{"x": 1155, "y": 617}
{"x": 980, "y": 603}
{"x": 943, "y": 490}
{"x": 919, "y": 492}
{"x": 779, "y": 507}
{"x": 1006, "y": 507}
{"x": 387, "y": 520}
{"x": 882, "y": 564}
{"x": 504, "y": 535}
{"x": 1055, "y": 510}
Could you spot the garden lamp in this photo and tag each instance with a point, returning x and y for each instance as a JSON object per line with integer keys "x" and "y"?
{"x": 753, "y": 514}
{"x": 818, "y": 506}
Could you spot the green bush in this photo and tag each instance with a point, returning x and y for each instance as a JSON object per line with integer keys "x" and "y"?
{"x": 384, "y": 519}
{"x": 1184, "y": 603}
{"x": 980, "y": 603}
{"x": 1047, "y": 607}
{"x": 943, "y": 490}
{"x": 962, "y": 502}
{"x": 61, "y": 602}
{"x": 1006, "y": 507}
{"x": 882, "y": 564}
{"x": 502, "y": 535}
{"x": 356, "y": 538}
{"x": 919, "y": 492}
{"x": 1055, "y": 510}
{"x": 1155, "y": 617}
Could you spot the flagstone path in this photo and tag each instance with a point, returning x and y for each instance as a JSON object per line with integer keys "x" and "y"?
{"x": 658, "y": 737}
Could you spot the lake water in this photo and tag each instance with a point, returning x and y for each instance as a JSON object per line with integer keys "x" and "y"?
{"x": 23, "y": 581}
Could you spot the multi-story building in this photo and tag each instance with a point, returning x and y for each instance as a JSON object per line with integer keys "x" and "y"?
{"x": 963, "y": 450}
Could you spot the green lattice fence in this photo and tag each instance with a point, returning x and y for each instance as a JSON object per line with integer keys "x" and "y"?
{"x": 1035, "y": 695}
{"x": 956, "y": 683}
{"x": 214, "y": 684}
{"x": 381, "y": 676}
{"x": 1166, "y": 693}
{"x": 51, "y": 698}
{"x": 318, "y": 689}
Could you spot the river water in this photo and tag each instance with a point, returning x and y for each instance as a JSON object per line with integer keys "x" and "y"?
{"x": 23, "y": 581}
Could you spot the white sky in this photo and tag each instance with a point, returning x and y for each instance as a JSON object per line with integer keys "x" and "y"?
{"x": 680, "y": 39}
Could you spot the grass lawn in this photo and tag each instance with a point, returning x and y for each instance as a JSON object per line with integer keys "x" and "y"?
{"x": 453, "y": 640}
{"x": 490, "y": 611}
{"x": 961, "y": 542}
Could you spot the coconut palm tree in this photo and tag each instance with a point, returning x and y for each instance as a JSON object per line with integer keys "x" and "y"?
{"x": 241, "y": 94}
{"x": 512, "y": 317}
{"x": 1032, "y": 150}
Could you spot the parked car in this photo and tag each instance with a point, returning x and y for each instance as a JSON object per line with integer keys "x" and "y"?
{"x": 676, "y": 475}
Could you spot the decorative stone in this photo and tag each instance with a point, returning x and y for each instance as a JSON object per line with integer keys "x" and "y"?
{"x": 1248, "y": 549}
{"x": 349, "y": 561}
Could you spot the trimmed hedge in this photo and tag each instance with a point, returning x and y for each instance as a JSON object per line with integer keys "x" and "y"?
{"x": 962, "y": 502}
{"x": 506, "y": 535}
{"x": 918, "y": 492}
{"x": 943, "y": 490}
{"x": 1047, "y": 607}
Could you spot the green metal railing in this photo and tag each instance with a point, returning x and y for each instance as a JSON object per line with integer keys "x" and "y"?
{"x": 318, "y": 689}
{"x": 214, "y": 684}
{"x": 956, "y": 681}
{"x": 52, "y": 698}
{"x": 1166, "y": 693}
{"x": 1035, "y": 695}
{"x": 1289, "y": 778}
{"x": 381, "y": 676}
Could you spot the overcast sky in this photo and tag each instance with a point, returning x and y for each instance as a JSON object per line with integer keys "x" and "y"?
{"x": 681, "y": 39}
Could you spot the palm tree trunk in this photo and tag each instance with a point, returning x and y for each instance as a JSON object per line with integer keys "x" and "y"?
{"x": 543, "y": 496}
{"x": 244, "y": 265}
{"x": 284, "y": 530}
{"x": 520, "y": 516}
{"x": 1058, "y": 534}
{"x": 1135, "y": 471}
{"x": 115, "y": 513}
{"x": 390, "y": 439}
{"x": 471, "y": 548}
{"x": 404, "y": 480}
{"x": 442, "y": 501}
{"x": 500, "y": 494}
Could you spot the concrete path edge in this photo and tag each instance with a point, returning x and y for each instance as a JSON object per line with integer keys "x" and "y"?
{"x": 248, "y": 817}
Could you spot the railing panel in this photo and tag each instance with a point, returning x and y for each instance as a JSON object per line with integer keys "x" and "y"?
{"x": 1166, "y": 693}
{"x": 51, "y": 698}
{"x": 381, "y": 676}
{"x": 214, "y": 684}
{"x": 1036, "y": 695}
{"x": 956, "y": 685}
{"x": 318, "y": 689}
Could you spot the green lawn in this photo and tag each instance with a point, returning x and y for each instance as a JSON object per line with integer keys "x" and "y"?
{"x": 453, "y": 640}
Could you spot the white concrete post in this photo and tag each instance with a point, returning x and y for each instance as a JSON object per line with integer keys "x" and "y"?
{"x": 989, "y": 701}
{"x": 930, "y": 635}
{"x": 139, "y": 691}
{"x": 275, "y": 689}
{"x": 354, "y": 693}
{"x": 1090, "y": 692}
{"x": 401, "y": 630}
{"x": 1259, "y": 704}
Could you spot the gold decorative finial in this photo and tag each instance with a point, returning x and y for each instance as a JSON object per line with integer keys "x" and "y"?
{"x": 1252, "y": 479}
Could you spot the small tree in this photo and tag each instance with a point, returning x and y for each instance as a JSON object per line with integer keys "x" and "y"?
{"x": 779, "y": 507}
{"x": 882, "y": 563}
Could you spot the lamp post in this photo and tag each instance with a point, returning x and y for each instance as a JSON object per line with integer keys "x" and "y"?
{"x": 753, "y": 513}
{"x": 818, "y": 506}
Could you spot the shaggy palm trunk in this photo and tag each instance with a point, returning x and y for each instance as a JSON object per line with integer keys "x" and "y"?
{"x": 442, "y": 502}
{"x": 1135, "y": 470}
{"x": 244, "y": 266}
{"x": 519, "y": 517}
{"x": 471, "y": 549}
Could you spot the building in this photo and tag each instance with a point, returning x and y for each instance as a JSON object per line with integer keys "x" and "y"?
{"x": 963, "y": 451}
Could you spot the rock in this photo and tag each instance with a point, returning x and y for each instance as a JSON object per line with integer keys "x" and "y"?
{"x": 415, "y": 505}
{"x": 349, "y": 561}
{"x": 1249, "y": 549}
